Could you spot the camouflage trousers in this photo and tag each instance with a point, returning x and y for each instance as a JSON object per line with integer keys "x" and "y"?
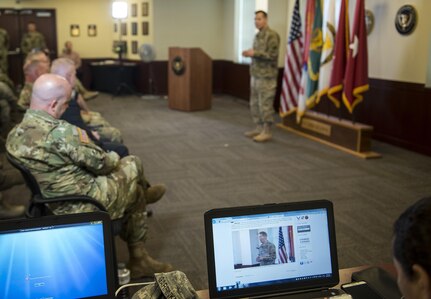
{"x": 125, "y": 197}
{"x": 262, "y": 93}
{"x": 130, "y": 183}
{"x": 97, "y": 123}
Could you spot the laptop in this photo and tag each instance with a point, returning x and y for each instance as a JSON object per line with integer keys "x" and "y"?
{"x": 272, "y": 250}
{"x": 68, "y": 256}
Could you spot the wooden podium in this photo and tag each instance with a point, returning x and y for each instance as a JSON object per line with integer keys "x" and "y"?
{"x": 190, "y": 79}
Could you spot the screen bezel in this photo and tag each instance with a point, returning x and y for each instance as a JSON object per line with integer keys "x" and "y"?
{"x": 264, "y": 209}
{"x": 53, "y": 220}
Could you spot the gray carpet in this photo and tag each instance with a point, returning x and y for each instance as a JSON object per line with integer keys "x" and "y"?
{"x": 206, "y": 162}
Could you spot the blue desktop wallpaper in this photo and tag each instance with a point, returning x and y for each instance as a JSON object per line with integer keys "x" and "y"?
{"x": 66, "y": 262}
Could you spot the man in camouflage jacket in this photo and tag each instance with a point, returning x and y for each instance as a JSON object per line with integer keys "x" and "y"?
{"x": 263, "y": 72}
{"x": 65, "y": 161}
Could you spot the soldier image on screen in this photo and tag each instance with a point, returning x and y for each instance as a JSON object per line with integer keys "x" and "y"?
{"x": 266, "y": 249}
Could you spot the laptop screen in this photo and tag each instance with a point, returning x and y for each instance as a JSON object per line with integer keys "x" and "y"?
{"x": 271, "y": 248}
{"x": 56, "y": 257}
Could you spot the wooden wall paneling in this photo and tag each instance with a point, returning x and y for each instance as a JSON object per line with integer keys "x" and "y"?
{"x": 400, "y": 112}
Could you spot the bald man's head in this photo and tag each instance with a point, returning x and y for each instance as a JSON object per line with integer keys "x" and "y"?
{"x": 65, "y": 68}
{"x": 51, "y": 93}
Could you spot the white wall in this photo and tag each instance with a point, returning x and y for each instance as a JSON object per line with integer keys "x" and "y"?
{"x": 393, "y": 56}
{"x": 228, "y": 51}
{"x": 189, "y": 23}
{"x": 278, "y": 20}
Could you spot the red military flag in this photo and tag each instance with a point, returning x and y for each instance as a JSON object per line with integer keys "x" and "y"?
{"x": 340, "y": 56}
{"x": 356, "y": 78}
{"x": 292, "y": 65}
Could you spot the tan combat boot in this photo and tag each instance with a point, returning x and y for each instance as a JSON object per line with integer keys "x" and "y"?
{"x": 86, "y": 94}
{"x": 265, "y": 135}
{"x": 8, "y": 211}
{"x": 154, "y": 193}
{"x": 141, "y": 264}
{"x": 255, "y": 132}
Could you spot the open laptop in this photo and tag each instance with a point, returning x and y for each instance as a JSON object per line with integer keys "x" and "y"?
{"x": 272, "y": 250}
{"x": 69, "y": 256}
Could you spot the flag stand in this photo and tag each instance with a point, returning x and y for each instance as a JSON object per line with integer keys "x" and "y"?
{"x": 348, "y": 136}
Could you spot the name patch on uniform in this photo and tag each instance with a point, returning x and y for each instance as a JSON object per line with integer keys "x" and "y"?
{"x": 83, "y": 137}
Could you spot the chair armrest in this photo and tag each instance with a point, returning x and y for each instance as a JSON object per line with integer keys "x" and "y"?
{"x": 69, "y": 198}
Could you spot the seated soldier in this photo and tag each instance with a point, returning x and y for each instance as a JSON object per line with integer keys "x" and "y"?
{"x": 32, "y": 70}
{"x": 65, "y": 161}
{"x": 7, "y": 100}
{"x": 93, "y": 119}
{"x": 66, "y": 69}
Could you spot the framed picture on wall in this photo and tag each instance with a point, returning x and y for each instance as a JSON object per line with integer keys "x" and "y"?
{"x": 74, "y": 30}
{"x": 134, "y": 10}
{"x": 145, "y": 11}
{"x": 134, "y": 47}
{"x": 124, "y": 29}
{"x": 92, "y": 30}
{"x": 134, "y": 28}
{"x": 145, "y": 29}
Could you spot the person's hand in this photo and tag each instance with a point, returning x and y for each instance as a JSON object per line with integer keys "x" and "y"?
{"x": 248, "y": 53}
{"x": 96, "y": 135}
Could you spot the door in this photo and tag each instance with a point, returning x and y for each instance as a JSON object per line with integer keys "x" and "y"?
{"x": 15, "y": 22}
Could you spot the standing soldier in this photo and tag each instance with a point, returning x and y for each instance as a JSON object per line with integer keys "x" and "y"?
{"x": 266, "y": 249}
{"x": 4, "y": 47}
{"x": 263, "y": 71}
{"x": 32, "y": 40}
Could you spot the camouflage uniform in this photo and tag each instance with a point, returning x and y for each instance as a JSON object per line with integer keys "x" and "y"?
{"x": 264, "y": 71}
{"x": 5, "y": 79}
{"x": 173, "y": 284}
{"x": 65, "y": 161}
{"x": 4, "y": 47}
{"x": 25, "y": 96}
{"x": 7, "y": 101}
{"x": 104, "y": 128}
{"x": 32, "y": 40}
{"x": 266, "y": 253}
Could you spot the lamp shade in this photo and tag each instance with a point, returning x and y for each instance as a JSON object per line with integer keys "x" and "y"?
{"x": 119, "y": 9}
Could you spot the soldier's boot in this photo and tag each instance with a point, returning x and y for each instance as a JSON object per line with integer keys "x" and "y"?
{"x": 265, "y": 135}
{"x": 86, "y": 94}
{"x": 8, "y": 211}
{"x": 141, "y": 264}
{"x": 256, "y": 131}
{"x": 10, "y": 178}
{"x": 154, "y": 193}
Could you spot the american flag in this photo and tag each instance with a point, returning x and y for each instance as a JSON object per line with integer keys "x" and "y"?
{"x": 282, "y": 254}
{"x": 292, "y": 65}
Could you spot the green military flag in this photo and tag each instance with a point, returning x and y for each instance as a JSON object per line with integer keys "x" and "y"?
{"x": 314, "y": 56}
